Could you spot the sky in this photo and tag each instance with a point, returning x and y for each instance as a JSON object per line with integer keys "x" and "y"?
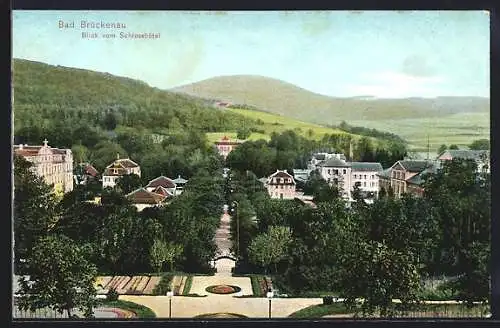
{"x": 390, "y": 54}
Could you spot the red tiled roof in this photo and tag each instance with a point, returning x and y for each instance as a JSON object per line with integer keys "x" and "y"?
{"x": 127, "y": 162}
{"x": 162, "y": 191}
{"x": 281, "y": 174}
{"x": 161, "y": 181}
{"x": 90, "y": 170}
{"x": 142, "y": 196}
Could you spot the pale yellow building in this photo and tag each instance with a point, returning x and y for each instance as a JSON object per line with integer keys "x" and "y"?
{"x": 53, "y": 164}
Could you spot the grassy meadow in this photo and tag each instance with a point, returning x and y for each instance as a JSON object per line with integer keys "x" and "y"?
{"x": 276, "y": 123}
{"x": 460, "y": 129}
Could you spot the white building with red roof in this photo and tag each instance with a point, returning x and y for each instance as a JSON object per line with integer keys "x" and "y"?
{"x": 53, "y": 164}
{"x": 142, "y": 198}
{"x": 226, "y": 145}
{"x": 117, "y": 169}
{"x": 281, "y": 185}
{"x": 162, "y": 183}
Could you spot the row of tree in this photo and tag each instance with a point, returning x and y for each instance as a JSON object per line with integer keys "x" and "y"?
{"x": 380, "y": 251}
{"x": 62, "y": 245}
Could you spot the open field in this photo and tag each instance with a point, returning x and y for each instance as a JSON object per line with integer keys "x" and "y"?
{"x": 460, "y": 129}
{"x": 277, "y": 123}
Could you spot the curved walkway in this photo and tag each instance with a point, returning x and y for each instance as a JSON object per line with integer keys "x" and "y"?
{"x": 189, "y": 307}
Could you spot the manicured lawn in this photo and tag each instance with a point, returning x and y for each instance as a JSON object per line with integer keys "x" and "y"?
{"x": 140, "y": 310}
{"x": 422, "y": 311}
{"x": 318, "y": 311}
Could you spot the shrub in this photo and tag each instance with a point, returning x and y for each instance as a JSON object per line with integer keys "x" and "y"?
{"x": 327, "y": 300}
{"x": 163, "y": 286}
{"x": 112, "y": 295}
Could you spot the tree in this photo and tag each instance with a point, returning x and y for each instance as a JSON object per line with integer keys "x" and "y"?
{"x": 110, "y": 121}
{"x": 441, "y": 149}
{"x": 378, "y": 274}
{"x": 454, "y": 147}
{"x": 270, "y": 247}
{"x": 157, "y": 254}
{"x": 172, "y": 253}
{"x": 243, "y": 133}
{"x": 35, "y": 212}
{"x": 60, "y": 277}
{"x": 129, "y": 183}
{"x": 480, "y": 144}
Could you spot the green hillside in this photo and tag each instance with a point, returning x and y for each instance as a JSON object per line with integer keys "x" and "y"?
{"x": 42, "y": 91}
{"x": 45, "y": 95}
{"x": 442, "y": 118}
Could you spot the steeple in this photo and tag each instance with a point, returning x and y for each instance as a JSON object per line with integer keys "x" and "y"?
{"x": 117, "y": 155}
{"x": 45, "y": 142}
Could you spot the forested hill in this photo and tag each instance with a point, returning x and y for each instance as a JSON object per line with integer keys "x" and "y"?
{"x": 45, "y": 93}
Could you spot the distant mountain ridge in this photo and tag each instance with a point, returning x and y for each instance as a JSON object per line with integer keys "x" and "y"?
{"x": 284, "y": 98}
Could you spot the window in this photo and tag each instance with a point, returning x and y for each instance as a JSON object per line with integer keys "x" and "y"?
{"x": 364, "y": 184}
{"x": 329, "y": 171}
{"x": 343, "y": 171}
{"x": 355, "y": 176}
{"x": 336, "y": 171}
{"x": 281, "y": 186}
{"x": 365, "y": 176}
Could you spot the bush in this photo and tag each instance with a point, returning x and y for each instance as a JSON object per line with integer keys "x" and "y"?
{"x": 327, "y": 300}
{"x": 163, "y": 286}
{"x": 112, "y": 295}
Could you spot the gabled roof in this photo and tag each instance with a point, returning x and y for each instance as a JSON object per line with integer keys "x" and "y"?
{"x": 366, "y": 166}
{"x": 161, "y": 181}
{"x": 281, "y": 174}
{"x": 162, "y": 191}
{"x": 414, "y": 166}
{"x": 120, "y": 170}
{"x": 464, "y": 153}
{"x": 90, "y": 170}
{"x": 127, "y": 162}
{"x": 142, "y": 196}
{"x": 419, "y": 178}
{"x": 335, "y": 162}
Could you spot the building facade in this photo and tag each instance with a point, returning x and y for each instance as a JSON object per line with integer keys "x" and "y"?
{"x": 406, "y": 177}
{"x": 281, "y": 185}
{"x": 346, "y": 175}
{"x": 54, "y": 165}
{"x": 225, "y": 146}
{"x": 117, "y": 169}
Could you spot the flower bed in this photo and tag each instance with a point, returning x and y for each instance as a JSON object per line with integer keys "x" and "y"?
{"x": 223, "y": 289}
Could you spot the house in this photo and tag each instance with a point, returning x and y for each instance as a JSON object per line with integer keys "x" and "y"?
{"x": 481, "y": 157}
{"x": 281, "y": 185}
{"x": 180, "y": 183}
{"x": 142, "y": 198}
{"x": 54, "y": 165}
{"x": 364, "y": 176}
{"x": 84, "y": 173}
{"x": 165, "y": 183}
{"x": 406, "y": 176}
{"x": 225, "y": 146}
{"x": 117, "y": 169}
{"x": 347, "y": 175}
{"x": 318, "y": 158}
